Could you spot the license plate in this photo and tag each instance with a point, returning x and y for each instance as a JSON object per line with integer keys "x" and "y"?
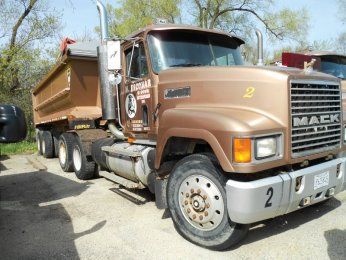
{"x": 321, "y": 180}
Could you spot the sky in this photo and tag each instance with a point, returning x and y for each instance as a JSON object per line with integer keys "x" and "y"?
{"x": 81, "y": 16}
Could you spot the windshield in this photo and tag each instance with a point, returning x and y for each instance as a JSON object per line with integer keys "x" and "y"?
{"x": 170, "y": 49}
{"x": 334, "y": 65}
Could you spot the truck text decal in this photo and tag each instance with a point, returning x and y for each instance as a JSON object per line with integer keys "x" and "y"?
{"x": 177, "y": 92}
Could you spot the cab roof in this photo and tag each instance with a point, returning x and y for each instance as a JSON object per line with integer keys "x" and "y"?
{"x": 162, "y": 27}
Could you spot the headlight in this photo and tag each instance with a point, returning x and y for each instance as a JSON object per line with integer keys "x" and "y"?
{"x": 265, "y": 147}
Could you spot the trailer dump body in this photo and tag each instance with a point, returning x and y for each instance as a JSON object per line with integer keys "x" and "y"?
{"x": 71, "y": 89}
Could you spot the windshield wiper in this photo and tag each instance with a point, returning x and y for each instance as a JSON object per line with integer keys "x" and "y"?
{"x": 186, "y": 65}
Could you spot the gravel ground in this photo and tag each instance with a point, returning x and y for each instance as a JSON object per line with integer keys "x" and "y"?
{"x": 51, "y": 214}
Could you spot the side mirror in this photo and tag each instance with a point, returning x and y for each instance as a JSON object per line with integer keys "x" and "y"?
{"x": 12, "y": 124}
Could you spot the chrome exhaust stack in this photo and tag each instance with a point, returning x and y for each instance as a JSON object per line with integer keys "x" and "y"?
{"x": 103, "y": 20}
{"x": 109, "y": 65}
{"x": 259, "y": 48}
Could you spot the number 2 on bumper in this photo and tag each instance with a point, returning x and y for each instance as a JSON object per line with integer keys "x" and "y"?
{"x": 270, "y": 193}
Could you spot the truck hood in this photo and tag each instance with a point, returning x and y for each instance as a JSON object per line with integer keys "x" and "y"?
{"x": 261, "y": 90}
{"x": 231, "y": 102}
{"x": 247, "y": 72}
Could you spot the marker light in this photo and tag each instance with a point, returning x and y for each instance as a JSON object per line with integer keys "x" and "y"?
{"x": 242, "y": 150}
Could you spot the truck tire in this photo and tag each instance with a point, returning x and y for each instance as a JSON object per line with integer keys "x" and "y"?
{"x": 196, "y": 199}
{"x": 38, "y": 141}
{"x": 56, "y": 144}
{"x": 66, "y": 144}
{"x": 47, "y": 144}
{"x": 84, "y": 167}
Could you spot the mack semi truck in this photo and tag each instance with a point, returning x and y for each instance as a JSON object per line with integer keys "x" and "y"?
{"x": 172, "y": 108}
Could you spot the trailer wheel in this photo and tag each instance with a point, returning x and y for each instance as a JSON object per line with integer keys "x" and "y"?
{"x": 38, "y": 141}
{"x": 66, "y": 143}
{"x": 84, "y": 167}
{"x": 197, "y": 201}
{"x": 47, "y": 144}
{"x": 56, "y": 144}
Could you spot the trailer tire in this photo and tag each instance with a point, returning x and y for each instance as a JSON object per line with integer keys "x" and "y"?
{"x": 196, "y": 199}
{"x": 66, "y": 144}
{"x": 38, "y": 141}
{"x": 47, "y": 145}
{"x": 84, "y": 167}
{"x": 56, "y": 145}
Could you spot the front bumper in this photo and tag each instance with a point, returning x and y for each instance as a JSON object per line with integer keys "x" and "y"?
{"x": 249, "y": 202}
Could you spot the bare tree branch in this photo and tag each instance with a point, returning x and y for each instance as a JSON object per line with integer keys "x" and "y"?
{"x": 20, "y": 21}
{"x": 241, "y": 9}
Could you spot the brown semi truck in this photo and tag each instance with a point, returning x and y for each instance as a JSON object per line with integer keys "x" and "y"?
{"x": 174, "y": 109}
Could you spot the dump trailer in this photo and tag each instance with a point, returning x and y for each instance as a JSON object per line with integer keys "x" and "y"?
{"x": 173, "y": 109}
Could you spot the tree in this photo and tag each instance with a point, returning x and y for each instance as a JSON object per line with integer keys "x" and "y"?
{"x": 341, "y": 43}
{"x": 240, "y": 15}
{"x": 26, "y": 23}
{"x": 27, "y": 27}
{"x": 133, "y": 14}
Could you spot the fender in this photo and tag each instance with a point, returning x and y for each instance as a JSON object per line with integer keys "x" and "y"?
{"x": 87, "y": 136}
{"x": 216, "y": 126}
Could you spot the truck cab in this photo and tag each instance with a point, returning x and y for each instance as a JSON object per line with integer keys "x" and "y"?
{"x": 185, "y": 82}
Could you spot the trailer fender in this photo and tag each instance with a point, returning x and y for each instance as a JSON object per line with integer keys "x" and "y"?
{"x": 88, "y": 136}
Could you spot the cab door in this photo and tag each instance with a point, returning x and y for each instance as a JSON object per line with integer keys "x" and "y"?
{"x": 136, "y": 91}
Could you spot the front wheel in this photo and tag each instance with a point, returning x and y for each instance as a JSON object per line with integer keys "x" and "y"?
{"x": 197, "y": 202}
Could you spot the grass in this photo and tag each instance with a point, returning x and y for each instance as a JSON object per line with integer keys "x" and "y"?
{"x": 25, "y": 147}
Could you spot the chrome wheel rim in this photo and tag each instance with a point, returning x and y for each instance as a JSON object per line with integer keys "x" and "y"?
{"x": 77, "y": 158}
{"x": 62, "y": 153}
{"x": 201, "y": 202}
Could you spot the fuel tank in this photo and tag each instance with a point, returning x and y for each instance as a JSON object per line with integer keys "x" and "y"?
{"x": 128, "y": 160}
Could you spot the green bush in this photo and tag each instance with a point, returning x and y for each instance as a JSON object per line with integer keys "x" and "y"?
{"x": 25, "y": 147}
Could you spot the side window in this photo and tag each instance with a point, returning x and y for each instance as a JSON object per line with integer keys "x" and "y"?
{"x": 139, "y": 67}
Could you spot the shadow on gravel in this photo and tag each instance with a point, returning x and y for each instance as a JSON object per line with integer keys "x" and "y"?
{"x": 3, "y": 158}
{"x": 138, "y": 197}
{"x": 32, "y": 224}
{"x": 283, "y": 223}
{"x": 336, "y": 239}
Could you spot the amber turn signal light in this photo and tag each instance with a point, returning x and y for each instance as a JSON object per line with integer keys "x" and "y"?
{"x": 242, "y": 150}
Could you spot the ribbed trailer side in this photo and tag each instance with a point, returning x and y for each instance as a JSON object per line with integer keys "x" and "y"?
{"x": 69, "y": 92}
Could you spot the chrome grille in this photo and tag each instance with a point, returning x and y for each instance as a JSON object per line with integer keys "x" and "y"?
{"x": 315, "y": 117}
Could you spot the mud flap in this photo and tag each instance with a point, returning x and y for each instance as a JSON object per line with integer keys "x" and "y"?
{"x": 160, "y": 193}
